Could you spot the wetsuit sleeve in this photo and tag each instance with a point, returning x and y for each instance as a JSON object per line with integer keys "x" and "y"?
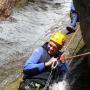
{"x": 32, "y": 63}
{"x": 63, "y": 67}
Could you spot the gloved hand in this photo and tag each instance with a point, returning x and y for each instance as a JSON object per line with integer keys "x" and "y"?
{"x": 51, "y": 61}
{"x": 62, "y": 58}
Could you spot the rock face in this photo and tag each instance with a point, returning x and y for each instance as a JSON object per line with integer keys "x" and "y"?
{"x": 83, "y": 9}
{"x": 6, "y": 6}
{"x": 80, "y": 73}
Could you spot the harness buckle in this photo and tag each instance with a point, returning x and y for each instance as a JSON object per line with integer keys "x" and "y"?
{"x": 54, "y": 65}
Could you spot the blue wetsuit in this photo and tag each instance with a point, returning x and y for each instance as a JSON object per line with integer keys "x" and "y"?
{"x": 35, "y": 69}
{"x": 34, "y": 59}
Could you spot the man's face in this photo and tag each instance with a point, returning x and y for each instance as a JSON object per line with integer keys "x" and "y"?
{"x": 53, "y": 48}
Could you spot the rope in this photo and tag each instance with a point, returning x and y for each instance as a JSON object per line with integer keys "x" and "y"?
{"x": 76, "y": 56}
{"x": 77, "y": 46}
{"x": 72, "y": 38}
{"x": 79, "y": 55}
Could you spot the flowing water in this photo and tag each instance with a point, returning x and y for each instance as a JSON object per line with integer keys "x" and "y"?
{"x": 25, "y": 30}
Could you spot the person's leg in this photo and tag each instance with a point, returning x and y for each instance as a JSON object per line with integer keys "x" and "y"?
{"x": 73, "y": 20}
{"x": 71, "y": 27}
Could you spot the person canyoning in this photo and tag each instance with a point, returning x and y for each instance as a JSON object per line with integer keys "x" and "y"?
{"x": 74, "y": 19}
{"x": 38, "y": 67}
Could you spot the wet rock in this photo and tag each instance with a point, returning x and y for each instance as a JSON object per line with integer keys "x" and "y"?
{"x": 79, "y": 73}
{"x": 82, "y": 71}
{"x": 83, "y": 9}
{"x": 5, "y": 8}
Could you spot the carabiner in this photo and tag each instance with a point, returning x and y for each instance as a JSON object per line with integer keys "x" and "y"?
{"x": 54, "y": 65}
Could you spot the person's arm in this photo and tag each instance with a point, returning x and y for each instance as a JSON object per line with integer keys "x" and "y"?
{"x": 32, "y": 64}
{"x": 63, "y": 67}
{"x": 62, "y": 64}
